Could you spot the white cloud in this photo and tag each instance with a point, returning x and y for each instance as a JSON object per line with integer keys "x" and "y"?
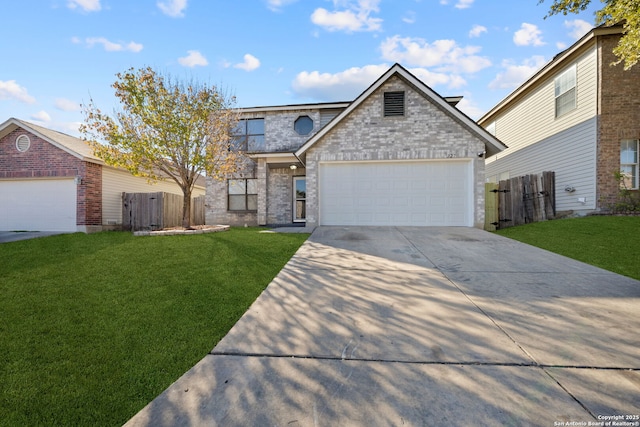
{"x": 250, "y": 63}
{"x": 110, "y": 46}
{"x": 9, "y": 89}
{"x": 342, "y": 86}
{"x": 467, "y": 106}
{"x": 66, "y": 105}
{"x": 528, "y": 35}
{"x": 578, "y": 28}
{"x": 444, "y": 54}
{"x": 173, "y": 8}
{"x": 561, "y": 45}
{"x": 193, "y": 59}
{"x": 346, "y": 85}
{"x": 355, "y": 17}
{"x": 516, "y": 74}
{"x": 464, "y": 4}
{"x": 41, "y": 116}
{"x": 477, "y": 30}
{"x": 409, "y": 17}
{"x": 276, "y": 5}
{"x": 85, "y": 5}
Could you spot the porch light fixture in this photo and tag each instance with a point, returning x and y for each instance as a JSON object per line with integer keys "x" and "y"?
{"x": 293, "y": 167}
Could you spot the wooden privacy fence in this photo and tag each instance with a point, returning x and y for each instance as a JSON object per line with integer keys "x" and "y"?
{"x": 155, "y": 211}
{"x": 520, "y": 200}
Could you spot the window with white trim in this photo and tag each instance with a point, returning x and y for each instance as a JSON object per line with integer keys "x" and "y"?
{"x": 629, "y": 163}
{"x": 243, "y": 194}
{"x": 565, "y": 91}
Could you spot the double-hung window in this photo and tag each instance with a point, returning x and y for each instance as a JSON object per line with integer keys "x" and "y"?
{"x": 248, "y": 135}
{"x": 629, "y": 163}
{"x": 243, "y": 194}
{"x": 565, "y": 91}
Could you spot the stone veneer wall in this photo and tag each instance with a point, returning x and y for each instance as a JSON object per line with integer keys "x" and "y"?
{"x": 44, "y": 160}
{"x": 425, "y": 132}
{"x": 619, "y": 116}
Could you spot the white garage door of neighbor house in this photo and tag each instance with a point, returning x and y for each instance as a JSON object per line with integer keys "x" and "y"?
{"x": 426, "y": 193}
{"x": 38, "y": 205}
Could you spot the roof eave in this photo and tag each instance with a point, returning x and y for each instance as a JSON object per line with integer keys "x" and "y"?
{"x": 551, "y": 66}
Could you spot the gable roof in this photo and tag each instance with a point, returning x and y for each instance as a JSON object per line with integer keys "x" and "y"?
{"x": 492, "y": 144}
{"x": 70, "y": 144}
{"x": 558, "y": 61}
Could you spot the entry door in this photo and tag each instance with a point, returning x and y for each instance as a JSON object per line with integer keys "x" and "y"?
{"x": 299, "y": 199}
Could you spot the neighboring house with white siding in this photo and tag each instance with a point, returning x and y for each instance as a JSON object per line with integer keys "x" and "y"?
{"x": 399, "y": 154}
{"x": 50, "y": 181}
{"x": 578, "y": 116}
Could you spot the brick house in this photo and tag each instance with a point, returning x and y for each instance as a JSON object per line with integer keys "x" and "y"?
{"x": 578, "y": 116}
{"x": 50, "y": 181}
{"x": 399, "y": 154}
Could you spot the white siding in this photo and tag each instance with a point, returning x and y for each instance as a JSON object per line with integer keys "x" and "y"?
{"x": 571, "y": 154}
{"x": 115, "y": 182}
{"x": 533, "y": 119}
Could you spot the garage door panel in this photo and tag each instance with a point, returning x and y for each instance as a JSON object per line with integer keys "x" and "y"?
{"x": 396, "y": 193}
{"x": 38, "y": 205}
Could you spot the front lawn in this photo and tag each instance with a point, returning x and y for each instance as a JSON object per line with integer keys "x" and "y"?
{"x": 93, "y": 327}
{"x": 609, "y": 242}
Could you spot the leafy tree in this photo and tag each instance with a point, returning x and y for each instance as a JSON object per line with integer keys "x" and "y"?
{"x": 165, "y": 130}
{"x": 626, "y": 12}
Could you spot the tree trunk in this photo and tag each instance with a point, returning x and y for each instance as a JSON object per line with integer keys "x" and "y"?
{"x": 186, "y": 207}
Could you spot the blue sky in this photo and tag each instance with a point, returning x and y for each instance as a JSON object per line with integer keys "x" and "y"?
{"x": 58, "y": 54}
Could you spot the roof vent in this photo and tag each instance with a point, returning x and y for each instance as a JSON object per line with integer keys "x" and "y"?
{"x": 393, "y": 104}
{"x": 23, "y": 143}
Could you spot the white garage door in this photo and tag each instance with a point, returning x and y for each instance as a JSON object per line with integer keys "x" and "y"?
{"x": 38, "y": 205}
{"x": 433, "y": 193}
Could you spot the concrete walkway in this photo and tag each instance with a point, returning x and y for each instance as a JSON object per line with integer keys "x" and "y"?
{"x": 420, "y": 326}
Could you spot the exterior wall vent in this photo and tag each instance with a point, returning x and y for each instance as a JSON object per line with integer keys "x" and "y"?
{"x": 393, "y": 104}
{"x": 23, "y": 143}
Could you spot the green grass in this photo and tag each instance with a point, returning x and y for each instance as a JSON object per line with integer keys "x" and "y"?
{"x": 609, "y": 242}
{"x": 93, "y": 327}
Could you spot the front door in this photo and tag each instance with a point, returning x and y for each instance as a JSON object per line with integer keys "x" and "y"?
{"x": 299, "y": 198}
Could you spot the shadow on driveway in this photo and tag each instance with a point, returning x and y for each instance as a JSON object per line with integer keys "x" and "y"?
{"x": 382, "y": 326}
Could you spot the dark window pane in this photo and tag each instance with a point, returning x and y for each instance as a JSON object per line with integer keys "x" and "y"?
{"x": 252, "y": 186}
{"x": 303, "y": 125}
{"x": 301, "y": 188}
{"x": 255, "y": 127}
{"x": 240, "y": 128}
{"x": 252, "y": 202}
{"x": 301, "y": 209}
{"x": 237, "y": 186}
{"x": 256, "y": 143}
{"x": 237, "y": 203}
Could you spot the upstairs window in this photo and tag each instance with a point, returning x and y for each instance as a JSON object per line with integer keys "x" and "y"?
{"x": 565, "y": 91}
{"x": 393, "y": 104}
{"x": 303, "y": 125}
{"x": 248, "y": 135}
{"x": 629, "y": 164}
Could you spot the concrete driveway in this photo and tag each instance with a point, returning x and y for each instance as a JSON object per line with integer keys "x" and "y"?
{"x": 420, "y": 326}
{"x": 13, "y": 236}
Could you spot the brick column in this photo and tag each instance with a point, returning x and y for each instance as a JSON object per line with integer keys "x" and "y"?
{"x": 261, "y": 174}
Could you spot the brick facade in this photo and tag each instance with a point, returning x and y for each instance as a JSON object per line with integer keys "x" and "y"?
{"x": 619, "y": 116}
{"x": 43, "y": 160}
{"x": 425, "y": 132}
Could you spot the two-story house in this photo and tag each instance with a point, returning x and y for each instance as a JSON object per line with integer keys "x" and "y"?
{"x": 399, "y": 154}
{"x": 578, "y": 116}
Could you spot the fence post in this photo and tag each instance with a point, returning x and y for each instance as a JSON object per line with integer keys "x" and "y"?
{"x": 491, "y": 206}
